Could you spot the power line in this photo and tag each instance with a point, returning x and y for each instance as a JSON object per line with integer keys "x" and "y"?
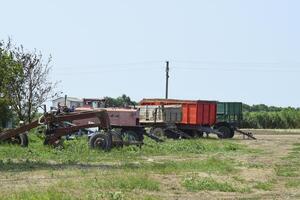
{"x": 211, "y": 62}
{"x": 184, "y": 68}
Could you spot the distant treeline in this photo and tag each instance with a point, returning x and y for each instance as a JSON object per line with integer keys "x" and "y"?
{"x": 263, "y": 116}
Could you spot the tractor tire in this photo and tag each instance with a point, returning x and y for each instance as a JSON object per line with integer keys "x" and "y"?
{"x": 100, "y": 141}
{"x": 226, "y": 131}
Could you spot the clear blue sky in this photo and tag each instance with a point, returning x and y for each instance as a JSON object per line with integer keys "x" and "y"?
{"x": 246, "y": 50}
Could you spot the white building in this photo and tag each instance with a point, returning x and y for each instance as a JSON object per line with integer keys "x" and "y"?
{"x": 70, "y": 102}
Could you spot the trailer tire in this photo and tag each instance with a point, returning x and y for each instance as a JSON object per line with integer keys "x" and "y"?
{"x": 200, "y": 134}
{"x": 100, "y": 140}
{"x": 226, "y": 131}
{"x": 158, "y": 132}
{"x": 231, "y": 133}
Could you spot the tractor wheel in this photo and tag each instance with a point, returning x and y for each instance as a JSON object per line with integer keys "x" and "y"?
{"x": 21, "y": 140}
{"x": 225, "y": 131}
{"x": 100, "y": 141}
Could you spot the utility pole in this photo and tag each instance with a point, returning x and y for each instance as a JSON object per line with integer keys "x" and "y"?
{"x": 167, "y": 79}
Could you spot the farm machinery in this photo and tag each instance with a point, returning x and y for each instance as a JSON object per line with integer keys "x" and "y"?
{"x": 62, "y": 123}
{"x": 188, "y": 118}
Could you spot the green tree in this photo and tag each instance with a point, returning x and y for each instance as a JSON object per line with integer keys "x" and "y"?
{"x": 26, "y": 85}
{"x": 121, "y": 101}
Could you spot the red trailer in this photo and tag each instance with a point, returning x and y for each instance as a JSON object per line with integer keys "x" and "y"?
{"x": 197, "y": 117}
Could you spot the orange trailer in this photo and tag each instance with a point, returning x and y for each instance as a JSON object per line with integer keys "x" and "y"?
{"x": 196, "y": 112}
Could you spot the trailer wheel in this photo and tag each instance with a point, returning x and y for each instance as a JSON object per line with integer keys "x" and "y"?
{"x": 158, "y": 132}
{"x": 231, "y": 133}
{"x": 200, "y": 134}
{"x": 100, "y": 140}
{"x": 225, "y": 131}
{"x": 21, "y": 140}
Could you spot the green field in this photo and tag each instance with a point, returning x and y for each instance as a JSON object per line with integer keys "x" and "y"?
{"x": 176, "y": 169}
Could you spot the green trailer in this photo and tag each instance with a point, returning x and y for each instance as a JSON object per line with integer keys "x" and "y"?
{"x": 229, "y": 117}
{"x": 231, "y": 112}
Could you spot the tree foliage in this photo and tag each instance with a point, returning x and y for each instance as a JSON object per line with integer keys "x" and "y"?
{"x": 26, "y": 84}
{"x": 122, "y": 101}
{"x": 6, "y": 73}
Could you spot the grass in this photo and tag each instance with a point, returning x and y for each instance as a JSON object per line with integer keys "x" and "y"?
{"x": 287, "y": 170}
{"x": 210, "y": 165}
{"x": 291, "y": 165}
{"x": 196, "y": 184}
{"x": 38, "y": 195}
{"x": 77, "y": 172}
{"x": 92, "y": 184}
{"x": 53, "y": 194}
{"x": 293, "y": 183}
{"x": 82, "y": 173}
{"x": 266, "y": 186}
{"x": 77, "y": 151}
{"x": 125, "y": 182}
